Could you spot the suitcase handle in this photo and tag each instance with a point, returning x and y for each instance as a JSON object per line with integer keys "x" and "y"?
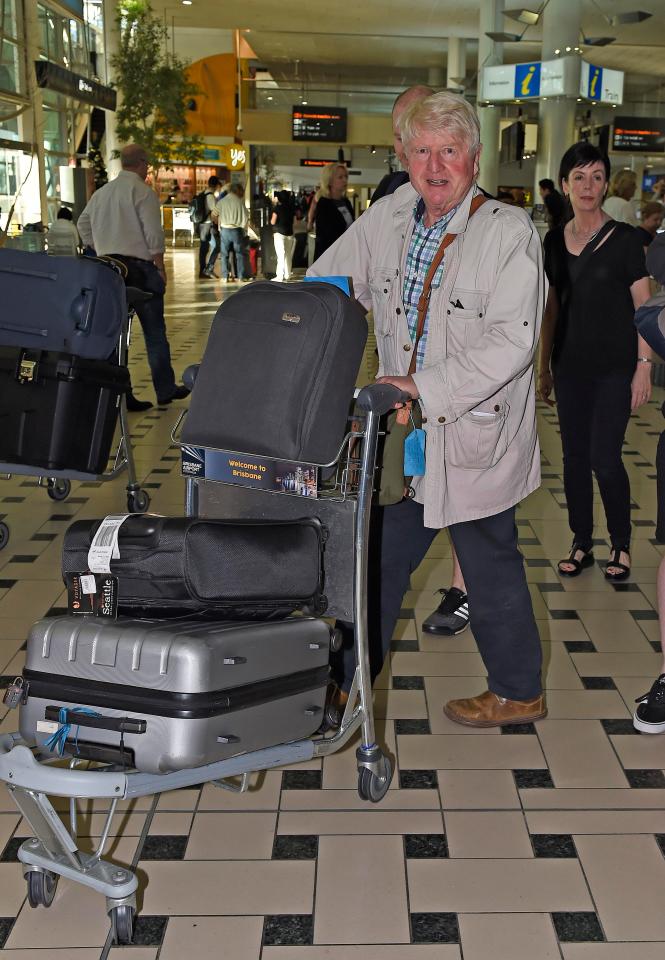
{"x": 82, "y": 308}
{"x": 122, "y": 724}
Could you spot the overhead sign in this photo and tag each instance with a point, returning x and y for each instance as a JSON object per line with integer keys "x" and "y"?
{"x": 54, "y": 77}
{"x": 307, "y": 162}
{"x": 639, "y": 134}
{"x": 601, "y": 85}
{"x": 319, "y": 123}
{"x": 527, "y": 80}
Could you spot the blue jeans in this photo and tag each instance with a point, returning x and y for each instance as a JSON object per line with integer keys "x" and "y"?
{"x": 233, "y": 237}
{"x": 145, "y": 276}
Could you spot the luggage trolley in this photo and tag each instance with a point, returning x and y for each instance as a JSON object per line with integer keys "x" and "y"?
{"x": 58, "y": 482}
{"x": 32, "y": 776}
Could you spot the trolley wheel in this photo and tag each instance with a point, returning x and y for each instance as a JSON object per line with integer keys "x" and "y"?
{"x": 41, "y": 887}
{"x": 374, "y": 787}
{"x": 4, "y": 534}
{"x": 336, "y": 640}
{"x": 138, "y": 501}
{"x": 58, "y": 489}
{"x": 122, "y": 924}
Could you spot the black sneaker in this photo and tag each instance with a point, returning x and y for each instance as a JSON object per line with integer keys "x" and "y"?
{"x": 178, "y": 394}
{"x": 650, "y": 714}
{"x": 451, "y": 616}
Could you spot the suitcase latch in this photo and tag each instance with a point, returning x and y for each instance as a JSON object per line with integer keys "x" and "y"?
{"x": 26, "y": 370}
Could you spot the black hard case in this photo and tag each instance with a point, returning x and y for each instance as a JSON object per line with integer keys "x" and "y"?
{"x": 278, "y": 373}
{"x": 68, "y": 304}
{"x": 236, "y": 569}
{"x": 58, "y": 411}
{"x": 176, "y": 694}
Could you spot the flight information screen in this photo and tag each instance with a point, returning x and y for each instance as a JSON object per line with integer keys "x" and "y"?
{"x": 326, "y": 124}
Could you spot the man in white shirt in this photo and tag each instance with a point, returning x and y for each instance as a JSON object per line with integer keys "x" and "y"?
{"x": 122, "y": 220}
{"x": 231, "y": 214}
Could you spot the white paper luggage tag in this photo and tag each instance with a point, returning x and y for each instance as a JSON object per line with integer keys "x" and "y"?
{"x": 104, "y": 546}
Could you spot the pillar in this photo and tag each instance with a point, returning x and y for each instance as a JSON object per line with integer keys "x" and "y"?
{"x": 435, "y": 77}
{"x": 556, "y": 117}
{"x": 489, "y": 54}
{"x": 36, "y": 127}
{"x": 111, "y": 47}
{"x": 456, "y": 63}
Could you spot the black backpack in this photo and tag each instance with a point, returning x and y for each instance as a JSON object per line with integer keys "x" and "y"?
{"x": 198, "y": 208}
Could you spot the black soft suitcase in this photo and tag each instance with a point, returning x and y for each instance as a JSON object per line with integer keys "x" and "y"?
{"x": 68, "y": 304}
{"x": 57, "y": 411}
{"x": 167, "y": 696}
{"x": 278, "y": 373}
{"x": 236, "y": 569}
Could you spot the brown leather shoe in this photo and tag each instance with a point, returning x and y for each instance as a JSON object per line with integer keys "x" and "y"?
{"x": 489, "y": 710}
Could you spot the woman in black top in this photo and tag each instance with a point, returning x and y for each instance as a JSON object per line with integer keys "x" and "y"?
{"x": 600, "y": 368}
{"x": 331, "y": 211}
{"x": 282, "y": 221}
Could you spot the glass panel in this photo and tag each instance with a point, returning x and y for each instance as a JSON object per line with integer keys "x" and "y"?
{"x": 8, "y": 20}
{"x": 8, "y": 127}
{"x": 8, "y": 174}
{"x": 9, "y": 75}
{"x": 53, "y": 137}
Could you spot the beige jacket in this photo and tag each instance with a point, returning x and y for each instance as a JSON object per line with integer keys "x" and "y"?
{"x": 477, "y": 383}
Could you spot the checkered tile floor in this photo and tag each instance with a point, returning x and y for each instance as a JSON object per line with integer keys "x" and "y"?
{"x": 543, "y": 841}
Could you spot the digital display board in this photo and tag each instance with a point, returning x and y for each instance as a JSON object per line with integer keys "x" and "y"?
{"x": 639, "y": 134}
{"x": 326, "y": 124}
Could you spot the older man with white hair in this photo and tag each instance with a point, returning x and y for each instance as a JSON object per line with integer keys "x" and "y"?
{"x": 457, "y": 287}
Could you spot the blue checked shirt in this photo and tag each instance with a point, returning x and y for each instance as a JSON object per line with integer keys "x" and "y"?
{"x": 425, "y": 241}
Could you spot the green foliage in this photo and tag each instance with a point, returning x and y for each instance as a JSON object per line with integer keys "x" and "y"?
{"x": 153, "y": 88}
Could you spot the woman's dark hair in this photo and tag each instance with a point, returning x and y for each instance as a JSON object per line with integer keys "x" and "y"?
{"x": 582, "y": 154}
{"x": 64, "y": 213}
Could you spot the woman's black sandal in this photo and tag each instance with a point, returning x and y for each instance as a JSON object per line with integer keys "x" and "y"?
{"x": 615, "y": 561}
{"x": 578, "y": 565}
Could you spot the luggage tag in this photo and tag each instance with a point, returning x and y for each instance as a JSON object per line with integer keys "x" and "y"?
{"x": 104, "y": 546}
{"x": 93, "y": 594}
{"x": 414, "y": 453}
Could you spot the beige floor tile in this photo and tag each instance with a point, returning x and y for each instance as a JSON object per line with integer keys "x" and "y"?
{"x": 171, "y": 824}
{"x": 487, "y": 835}
{"x": 618, "y": 664}
{"x": 438, "y": 665}
{"x": 640, "y": 752}
{"x": 592, "y": 799}
{"x": 368, "y": 822}
{"x": 579, "y": 754}
{"x": 228, "y": 888}
{"x": 477, "y": 790}
{"x": 76, "y": 918}
{"x": 596, "y": 821}
{"x": 200, "y": 937}
{"x": 366, "y": 952}
{"x": 262, "y": 794}
{"x": 361, "y": 879}
{"x": 598, "y": 600}
{"x": 400, "y": 704}
{"x": 179, "y": 800}
{"x": 66, "y": 953}
{"x": 620, "y": 871}
{"x": 497, "y": 886}
{"x": 125, "y": 824}
{"x": 558, "y": 631}
{"x": 8, "y": 823}
{"x": 612, "y": 951}
{"x": 559, "y": 672}
{"x": 585, "y": 705}
{"x": 614, "y": 631}
{"x": 511, "y": 936}
{"x": 469, "y": 753}
{"x": 631, "y": 688}
{"x": 395, "y": 799}
{"x": 227, "y": 835}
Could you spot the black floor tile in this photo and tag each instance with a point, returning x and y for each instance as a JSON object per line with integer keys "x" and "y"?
{"x": 643, "y": 779}
{"x": 408, "y": 683}
{"x": 10, "y": 852}
{"x": 644, "y": 523}
{"x": 403, "y": 727}
{"x": 288, "y": 931}
{"x": 625, "y": 588}
{"x": 298, "y": 847}
{"x": 425, "y": 846}
{"x": 529, "y": 541}
{"x": 405, "y": 646}
{"x": 536, "y": 562}
{"x": 550, "y": 587}
{"x": 517, "y": 728}
{"x": 619, "y": 728}
{"x": 656, "y": 646}
{"x": 56, "y": 611}
{"x": 418, "y": 779}
{"x": 149, "y": 931}
{"x": 434, "y": 928}
{"x": 660, "y": 840}
{"x": 164, "y": 847}
{"x": 44, "y": 537}
{"x": 23, "y": 558}
{"x": 579, "y": 646}
{"x": 406, "y": 613}
{"x": 598, "y": 683}
{"x": 577, "y": 927}
{"x": 532, "y": 779}
{"x": 563, "y": 614}
{"x": 61, "y": 517}
{"x": 553, "y": 845}
{"x": 643, "y": 614}
{"x": 7, "y": 584}
{"x": 301, "y": 779}
{"x": 6, "y": 924}
{"x": 13, "y": 499}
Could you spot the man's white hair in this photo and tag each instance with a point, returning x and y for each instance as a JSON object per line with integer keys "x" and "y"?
{"x": 442, "y": 112}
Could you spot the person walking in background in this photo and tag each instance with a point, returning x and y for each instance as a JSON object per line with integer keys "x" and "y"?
{"x": 621, "y": 191}
{"x": 392, "y": 181}
{"x": 122, "y": 220}
{"x": 62, "y": 238}
{"x": 591, "y": 354}
{"x": 651, "y": 219}
{"x": 208, "y": 232}
{"x": 232, "y": 218}
{"x": 554, "y": 203}
{"x": 282, "y": 222}
{"x": 330, "y": 211}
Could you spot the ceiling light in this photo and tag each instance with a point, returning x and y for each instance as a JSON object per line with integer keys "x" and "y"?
{"x": 557, "y": 52}
{"x": 268, "y": 98}
{"x": 597, "y": 41}
{"x": 631, "y": 16}
{"x": 186, "y": 3}
{"x": 568, "y": 49}
{"x": 523, "y": 16}
{"x": 304, "y": 103}
{"x": 500, "y": 37}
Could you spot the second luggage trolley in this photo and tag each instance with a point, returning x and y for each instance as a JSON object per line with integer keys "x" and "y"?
{"x": 58, "y": 482}
{"x": 343, "y": 506}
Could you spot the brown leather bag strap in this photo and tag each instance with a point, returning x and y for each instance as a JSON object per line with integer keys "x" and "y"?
{"x": 423, "y": 301}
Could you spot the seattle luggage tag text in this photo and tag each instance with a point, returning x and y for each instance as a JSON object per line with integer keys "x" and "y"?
{"x": 92, "y": 593}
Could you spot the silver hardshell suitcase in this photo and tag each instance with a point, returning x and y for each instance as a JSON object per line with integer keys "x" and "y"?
{"x": 164, "y": 695}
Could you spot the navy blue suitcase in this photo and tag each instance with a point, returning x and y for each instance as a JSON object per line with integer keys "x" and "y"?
{"x": 72, "y": 305}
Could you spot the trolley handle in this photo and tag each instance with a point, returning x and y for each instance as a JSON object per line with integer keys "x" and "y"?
{"x": 122, "y": 724}
{"x": 379, "y": 398}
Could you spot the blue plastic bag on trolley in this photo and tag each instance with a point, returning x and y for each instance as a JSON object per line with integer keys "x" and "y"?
{"x": 650, "y": 323}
